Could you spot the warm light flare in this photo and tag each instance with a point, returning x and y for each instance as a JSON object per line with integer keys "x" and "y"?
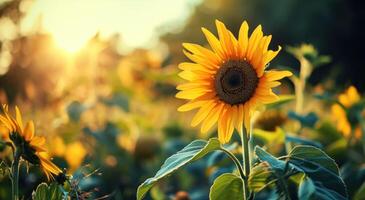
{"x": 71, "y": 42}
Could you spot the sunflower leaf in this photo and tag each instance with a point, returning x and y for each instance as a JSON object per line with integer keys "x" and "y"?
{"x": 192, "y": 152}
{"x": 321, "y": 178}
{"x": 322, "y": 171}
{"x": 259, "y": 177}
{"x": 51, "y": 192}
{"x": 299, "y": 140}
{"x": 227, "y": 186}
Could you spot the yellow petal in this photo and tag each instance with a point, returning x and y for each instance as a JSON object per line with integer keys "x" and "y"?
{"x": 37, "y": 141}
{"x": 192, "y": 76}
{"x": 192, "y": 93}
{"x": 235, "y": 54}
{"x": 222, "y": 124}
{"x": 259, "y": 53}
{"x": 195, "y": 67}
{"x": 213, "y": 42}
{"x": 196, "y": 103}
{"x": 225, "y": 39}
{"x": 263, "y": 91}
{"x": 253, "y": 42}
{"x": 39, "y": 148}
{"x": 212, "y": 118}
{"x": 18, "y": 117}
{"x": 200, "y": 60}
{"x": 277, "y": 75}
{"x": 235, "y": 116}
{"x": 243, "y": 40}
{"x": 191, "y": 106}
{"x": 229, "y": 125}
{"x": 268, "y": 56}
{"x": 203, "y": 52}
{"x": 266, "y": 44}
{"x": 202, "y": 113}
{"x": 194, "y": 84}
{"x": 10, "y": 120}
{"x": 265, "y": 84}
{"x": 48, "y": 167}
{"x": 29, "y": 131}
{"x": 6, "y": 123}
{"x": 267, "y": 98}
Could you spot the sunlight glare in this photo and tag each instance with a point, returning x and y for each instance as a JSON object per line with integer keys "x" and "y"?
{"x": 72, "y": 23}
{"x": 70, "y": 42}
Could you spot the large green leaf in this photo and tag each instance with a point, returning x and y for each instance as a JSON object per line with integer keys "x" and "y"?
{"x": 227, "y": 186}
{"x": 322, "y": 171}
{"x": 45, "y": 192}
{"x": 321, "y": 180}
{"x": 194, "y": 151}
{"x": 306, "y": 189}
{"x": 274, "y": 163}
{"x": 310, "y": 190}
{"x": 281, "y": 171}
{"x": 314, "y": 155}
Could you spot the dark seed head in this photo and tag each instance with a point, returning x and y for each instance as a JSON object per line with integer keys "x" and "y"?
{"x": 236, "y": 82}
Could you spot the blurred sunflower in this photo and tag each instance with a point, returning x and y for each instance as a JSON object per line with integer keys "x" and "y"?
{"x": 57, "y": 147}
{"x": 30, "y": 147}
{"x": 270, "y": 120}
{"x": 339, "y": 112}
{"x": 230, "y": 82}
{"x": 74, "y": 155}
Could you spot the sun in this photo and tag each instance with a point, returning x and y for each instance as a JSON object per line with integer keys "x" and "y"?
{"x": 70, "y": 42}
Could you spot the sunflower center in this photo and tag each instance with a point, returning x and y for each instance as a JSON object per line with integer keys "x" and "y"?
{"x": 235, "y": 82}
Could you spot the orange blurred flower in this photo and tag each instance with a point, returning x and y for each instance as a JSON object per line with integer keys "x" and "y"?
{"x": 347, "y": 99}
{"x": 74, "y": 155}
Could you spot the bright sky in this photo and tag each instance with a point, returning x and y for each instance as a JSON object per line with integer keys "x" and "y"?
{"x": 73, "y": 22}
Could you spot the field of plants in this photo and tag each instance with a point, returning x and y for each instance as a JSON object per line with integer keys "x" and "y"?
{"x": 220, "y": 100}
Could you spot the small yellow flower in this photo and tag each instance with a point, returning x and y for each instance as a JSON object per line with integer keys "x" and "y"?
{"x": 347, "y": 99}
{"x": 31, "y": 147}
{"x": 74, "y": 155}
{"x": 57, "y": 147}
{"x": 229, "y": 82}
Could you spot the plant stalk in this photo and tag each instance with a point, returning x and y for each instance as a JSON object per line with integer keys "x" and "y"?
{"x": 236, "y": 162}
{"x": 246, "y": 161}
{"x": 15, "y": 175}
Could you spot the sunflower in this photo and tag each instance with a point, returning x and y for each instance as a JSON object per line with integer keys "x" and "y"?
{"x": 30, "y": 147}
{"x": 348, "y": 99}
{"x": 229, "y": 82}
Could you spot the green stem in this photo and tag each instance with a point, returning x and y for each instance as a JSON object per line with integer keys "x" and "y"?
{"x": 237, "y": 162}
{"x": 15, "y": 175}
{"x": 246, "y": 161}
